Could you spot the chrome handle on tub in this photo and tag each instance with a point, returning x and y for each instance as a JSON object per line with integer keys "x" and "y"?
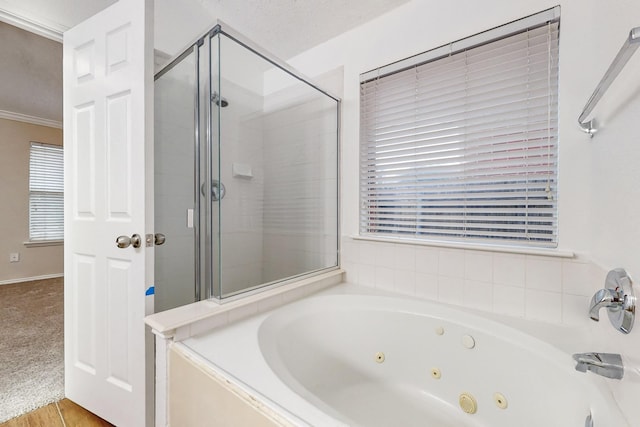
{"x": 619, "y": 300}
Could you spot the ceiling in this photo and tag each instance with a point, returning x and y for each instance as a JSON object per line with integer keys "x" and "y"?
{"x": 56, "y": 16}
{"x": 283, "y": 27}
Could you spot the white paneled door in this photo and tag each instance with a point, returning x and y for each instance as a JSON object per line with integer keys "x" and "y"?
{"x": 108, "y": 135}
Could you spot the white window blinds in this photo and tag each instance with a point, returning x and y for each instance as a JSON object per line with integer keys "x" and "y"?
{"x": 464, "y": 147}
{"x": 46, "y": 192}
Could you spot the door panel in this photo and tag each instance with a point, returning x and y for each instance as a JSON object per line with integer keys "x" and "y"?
{"x": 119, "y": 152}
{"x": 108, "y": 75}
{"x": 84, "y": 333}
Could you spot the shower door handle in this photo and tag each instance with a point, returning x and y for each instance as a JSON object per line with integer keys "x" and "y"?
{"x": 124, "y": 241}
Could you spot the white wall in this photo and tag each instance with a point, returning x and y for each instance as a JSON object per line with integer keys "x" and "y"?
{"x": 594, "y": 174}
{"x": 614, "y": 172}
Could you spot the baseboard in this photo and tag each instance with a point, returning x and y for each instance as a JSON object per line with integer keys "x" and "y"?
{"x": 29, "y": 279}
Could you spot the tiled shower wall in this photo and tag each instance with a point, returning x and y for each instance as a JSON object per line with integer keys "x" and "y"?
{"x": 549, "y": 289}
{"x": 241, "y": 210}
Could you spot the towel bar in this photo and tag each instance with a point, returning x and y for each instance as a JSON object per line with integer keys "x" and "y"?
{"x": 626, "y": 51}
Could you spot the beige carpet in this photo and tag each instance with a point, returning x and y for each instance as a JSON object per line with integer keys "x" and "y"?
{"x": 31, "y": 346}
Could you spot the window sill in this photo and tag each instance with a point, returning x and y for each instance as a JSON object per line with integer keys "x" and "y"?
{"x": 41, "y": 243}
{"x": 556, "y": 253}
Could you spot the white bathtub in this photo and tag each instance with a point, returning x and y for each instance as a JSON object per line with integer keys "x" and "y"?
{"x": 367, "y": 360}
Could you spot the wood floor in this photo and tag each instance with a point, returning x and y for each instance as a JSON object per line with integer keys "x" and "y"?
{"x": 64, "y": 413}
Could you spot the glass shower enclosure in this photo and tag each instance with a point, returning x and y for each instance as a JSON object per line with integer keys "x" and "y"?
{"x": 246, "y": 172}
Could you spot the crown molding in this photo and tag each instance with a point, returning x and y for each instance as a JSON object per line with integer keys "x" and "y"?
{"x": 52, "y": 32}
{"x": 9, "y": 115}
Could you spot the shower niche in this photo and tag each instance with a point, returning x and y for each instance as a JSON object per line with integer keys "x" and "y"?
{"x": 246, "y": 172}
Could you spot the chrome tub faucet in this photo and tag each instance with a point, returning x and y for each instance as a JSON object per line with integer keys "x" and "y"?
{"x": 606, "y": 364}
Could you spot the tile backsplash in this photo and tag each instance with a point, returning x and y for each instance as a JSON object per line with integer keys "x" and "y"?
{"x": 549, "y": 289}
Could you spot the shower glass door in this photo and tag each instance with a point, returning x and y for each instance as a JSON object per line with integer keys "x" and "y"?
{"x": 174, "y": 185}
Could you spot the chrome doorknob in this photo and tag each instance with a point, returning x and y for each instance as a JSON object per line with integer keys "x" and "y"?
{"x": 159, "y": 239}
{"x": 124, "y": 241}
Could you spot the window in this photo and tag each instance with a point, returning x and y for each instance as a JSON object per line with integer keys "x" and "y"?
{"x": 459, "y": 144}
{"x": 46, "y": 193}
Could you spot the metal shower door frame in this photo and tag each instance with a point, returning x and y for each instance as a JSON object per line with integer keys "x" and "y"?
{"x": 205, "y": 42}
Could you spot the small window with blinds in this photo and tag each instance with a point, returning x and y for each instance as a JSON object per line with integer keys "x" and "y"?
{"x": 460, "y": 144}
{"x": 46, "y": 193}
